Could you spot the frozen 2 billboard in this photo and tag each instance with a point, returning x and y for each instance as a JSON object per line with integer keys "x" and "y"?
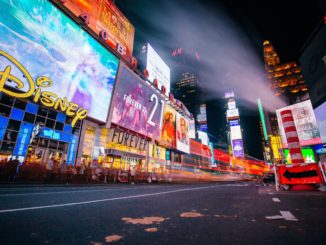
{"x": 49, "y": 44}
{"x": 136, "y": 106}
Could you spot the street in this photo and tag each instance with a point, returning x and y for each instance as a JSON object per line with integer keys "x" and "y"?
{"x": 206, "y": 213}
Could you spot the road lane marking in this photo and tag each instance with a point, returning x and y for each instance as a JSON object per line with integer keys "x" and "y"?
{"x": 70, "y": 191}
{"x": 275, "y": 199}
{"x": 89, "y": 190}
{"x": 287, "y": 215}
{"x": 105, "y": 200}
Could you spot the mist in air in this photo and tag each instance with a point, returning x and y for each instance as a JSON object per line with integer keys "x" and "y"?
{"x": 228, "y": 57}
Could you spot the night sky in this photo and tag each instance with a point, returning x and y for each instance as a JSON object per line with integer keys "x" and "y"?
{"x": 228, "y": 35}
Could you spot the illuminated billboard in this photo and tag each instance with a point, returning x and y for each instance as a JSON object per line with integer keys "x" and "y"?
{"x": 307, "y": 153}
{"x": 236, "y": 132}
{"x": 237, "y": 146}
{"x": 104, "y": 15}
{"x": 228, "y": 95}
{"x": 234, "y": 113}
{"x": 320, "y": 113}
{"x": 183, "y": 143}
{"x": 136, "y": 106}
{"x": 202, "y": 116}
{"x": 203, "y": 137}
{"x": 157, "y": 69}
{"x": 231, "y": 105}
{"x": 305, "y": 123}
{"x": 52, "y": 47}
{"x": 192, "y": 129}
{"x": 168, "y": 126}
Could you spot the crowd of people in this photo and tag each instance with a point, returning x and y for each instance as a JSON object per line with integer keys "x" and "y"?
{"x": 55, "y": 172}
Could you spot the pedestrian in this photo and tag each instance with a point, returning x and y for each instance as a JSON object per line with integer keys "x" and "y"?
{"x": 62, "y": 171}
{"x": 132, "y": 175}
{"x": 12, "y": 168}
{"x": 49, "y": 169}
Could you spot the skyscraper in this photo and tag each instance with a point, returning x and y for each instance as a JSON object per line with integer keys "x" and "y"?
{"x": 286, "y": 78}
{"x": 287, "y": 82}
{"x": 187, "y": 81}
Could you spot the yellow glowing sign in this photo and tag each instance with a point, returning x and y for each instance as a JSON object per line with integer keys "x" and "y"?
{"x": 46, "y": 98}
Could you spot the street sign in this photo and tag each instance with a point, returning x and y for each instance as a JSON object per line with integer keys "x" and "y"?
{"x": 299, "y": 174}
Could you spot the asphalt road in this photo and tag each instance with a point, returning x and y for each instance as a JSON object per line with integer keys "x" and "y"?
{"x": 213, "y": 213}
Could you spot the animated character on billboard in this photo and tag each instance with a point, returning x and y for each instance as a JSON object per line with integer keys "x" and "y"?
{"x": 168, "y": 129}
{"x": 183, "y": 133}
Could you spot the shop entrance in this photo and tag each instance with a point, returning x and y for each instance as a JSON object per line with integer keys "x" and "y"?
{"x": 41, "y": 150}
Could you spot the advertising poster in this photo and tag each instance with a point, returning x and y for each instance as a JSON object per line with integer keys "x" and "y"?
{"x": 192, "y": 129}
{"x": 168, "y": 126}
{"x": 203, "y": 137}
{"x": 182, "y": 134}
{"x": 104, "y": 15}
{"x": 49, "y": 44}
{"x": 202, "y": 116}
{"x": 237, "y": 146}
{"x": 231, "y": 105}
{"x": 136, "y": 106}
{"x": 157, "y": 69}
{"x": 305, "y": 123}
{"x": 320, "y": 113}
{"x": 235, "y": 132}
{"x": 234, "y": 113}
{"x": 307, "y": 153}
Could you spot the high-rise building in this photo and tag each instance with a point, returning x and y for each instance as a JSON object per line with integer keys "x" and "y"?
{"x": 187, "y": 81}
{"x": 288, "y": 84}
{"x": 286, "y": 78}
{"x": 313, "y": 63}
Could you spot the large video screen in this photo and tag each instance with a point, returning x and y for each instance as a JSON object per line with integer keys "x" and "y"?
{"x": 305, "y": 123}
{"x": 320, "y": 113}
{"x": 48, "y": 43}
{"x": 136, "y": 106}
{"x": 157, "y": 69}
{"x": 183, "y": 143}
{"x": 104, "y": 15}
{"x": 168, "y": 126}
{"x": 307, "y": 153}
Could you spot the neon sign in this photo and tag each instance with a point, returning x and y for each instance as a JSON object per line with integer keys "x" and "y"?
{"x": 46, "y": 98}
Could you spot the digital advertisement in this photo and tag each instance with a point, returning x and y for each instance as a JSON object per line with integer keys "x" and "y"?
{"x": 237, "y": 146}
{"x": 234, "y": 113}
{"x": 136, "y": 106}
{"x": 305, "y": 123}
{"x": 182, "y": 134}
{"x": 320, "y": 113}
{"x": 34, "y": 39}
{"x": 104, "y": 15}
{"x": 168, "y": 126}
{"x": 307, "y": 153}
{"x": 157, "y": 69}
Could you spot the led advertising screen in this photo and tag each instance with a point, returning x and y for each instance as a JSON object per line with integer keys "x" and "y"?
{"x": 307, "y": 153}
{"x": 236, "y": 132}
{"x": 305, "y": 123}
{"x": 202, "y": 116}
{"x": 46, "y": 43}
{"x": 157, "y": 69}
{"x": 320, "y": 113}
{"x": 136, "y": 106}
{"x": 192, "y": 129}
{"x": 228, "y": 95}
{"x": 203, "y": 137}
{"x": 234, "y": 113}
{"x": 168, "y": 126}
{"x": 183, "y": 143}
{"x": 104, "y": 15}
{"x": 237, "y": 146}
{"x": 231, "y": 105}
